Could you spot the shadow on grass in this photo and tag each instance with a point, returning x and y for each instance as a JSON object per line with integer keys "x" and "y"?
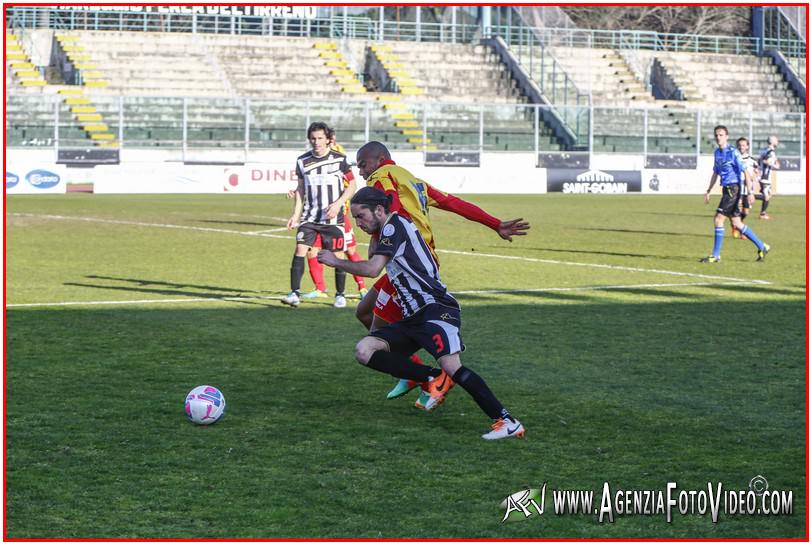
{"x": 148, "y": 282}
{"x": 644, "y": 232}
{"x": 601, "y": 252}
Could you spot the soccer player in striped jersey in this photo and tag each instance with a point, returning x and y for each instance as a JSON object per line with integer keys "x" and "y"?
{"x": 350, "y": 244}
{"x": 319, "y": 207}
{"x": 431, "y": 315}
{"x": 729, "y": 169}
{"x": 411, "y": 198}
{"x": 767, "y": 162}
{"x": 750, "y": 173}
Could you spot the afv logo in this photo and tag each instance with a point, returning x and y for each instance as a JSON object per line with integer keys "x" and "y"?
{"x": 11, "y": 180}
{"x": 42, "y": 179}
{"x": 517, "y": 505}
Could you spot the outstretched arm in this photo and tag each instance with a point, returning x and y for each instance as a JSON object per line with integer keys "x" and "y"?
{"x": 370, "y": 268}
{"x": 506, "y": 229}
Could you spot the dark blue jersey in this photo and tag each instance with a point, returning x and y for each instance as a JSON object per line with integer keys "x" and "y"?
{"x": 411, "y": 267}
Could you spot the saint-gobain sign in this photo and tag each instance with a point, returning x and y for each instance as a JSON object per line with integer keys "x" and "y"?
{"x": 573, "y": 180}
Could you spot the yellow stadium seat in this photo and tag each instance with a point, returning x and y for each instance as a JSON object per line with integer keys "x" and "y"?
{"x": 25, "y": 73}
{"x": 89, "y": 117}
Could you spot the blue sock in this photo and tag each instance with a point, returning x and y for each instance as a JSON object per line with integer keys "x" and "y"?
{"x": 746, "y": 231}
{"x": 718, "y": 237}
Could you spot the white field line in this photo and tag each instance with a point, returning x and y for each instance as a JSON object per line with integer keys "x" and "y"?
{"x": 234, "y": 215}
{"x": 453, "y": 252}
{"x": 462, "y": 292}
{"x": 265, "y": 231}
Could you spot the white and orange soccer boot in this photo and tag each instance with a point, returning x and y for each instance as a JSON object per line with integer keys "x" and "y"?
{"x": 504, "y": 428}
{"x": 438, "y": 388}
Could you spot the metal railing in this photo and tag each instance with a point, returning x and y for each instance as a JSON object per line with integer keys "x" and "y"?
{"x": 241, "y": 125}
{"x": 555, "y": 84}
{"x": 361, "y": 27}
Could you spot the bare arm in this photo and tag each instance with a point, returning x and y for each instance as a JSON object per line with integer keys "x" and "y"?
{"x": 297, "y": 205}
{"x": 710, "y": 186}
{"x": 370, "y": 268}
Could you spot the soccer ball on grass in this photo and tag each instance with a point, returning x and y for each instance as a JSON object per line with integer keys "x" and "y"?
{"x": 205, "y": 405}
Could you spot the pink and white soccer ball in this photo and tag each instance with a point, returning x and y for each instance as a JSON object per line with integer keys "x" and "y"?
{"x": 205, "y": 405}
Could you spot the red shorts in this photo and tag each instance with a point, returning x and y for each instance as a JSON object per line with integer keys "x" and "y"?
{"x": 387, "y": 305}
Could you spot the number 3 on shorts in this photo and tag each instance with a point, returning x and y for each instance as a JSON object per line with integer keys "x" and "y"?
{"x": 438, "y": 342}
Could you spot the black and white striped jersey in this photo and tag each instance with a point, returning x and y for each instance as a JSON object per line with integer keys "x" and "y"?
{"x": 323, "y": 179}
{"x": 411, "y": 267}
{"x": 767, "y": 163}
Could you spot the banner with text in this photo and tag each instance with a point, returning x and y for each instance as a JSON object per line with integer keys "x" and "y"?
{"x": 574, "y": 180}
{"x": 34, "y": 178}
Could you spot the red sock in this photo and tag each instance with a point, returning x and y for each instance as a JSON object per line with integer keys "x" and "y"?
{"x": 316, "y": 273}
{"x": 358, "y": 279}
{"x": 417, "y": 361}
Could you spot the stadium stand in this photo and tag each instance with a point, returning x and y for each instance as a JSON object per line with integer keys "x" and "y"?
{"x": 232, "y": 90}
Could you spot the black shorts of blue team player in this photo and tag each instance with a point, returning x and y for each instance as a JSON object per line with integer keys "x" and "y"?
{"x": 436, "y": 328}
{"x": 730, "y": 202}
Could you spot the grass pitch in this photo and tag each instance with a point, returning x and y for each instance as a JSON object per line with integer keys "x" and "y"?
{"x": 627, "y": 360}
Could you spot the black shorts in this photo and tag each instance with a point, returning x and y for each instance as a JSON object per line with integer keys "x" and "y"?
{"x": 332, "y": 236}
{"x": 730, "y": 202}
{"x": 435, "y": 328}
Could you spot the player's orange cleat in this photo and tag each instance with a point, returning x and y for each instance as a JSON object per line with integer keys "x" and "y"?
{"x": 438, "y": 388}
